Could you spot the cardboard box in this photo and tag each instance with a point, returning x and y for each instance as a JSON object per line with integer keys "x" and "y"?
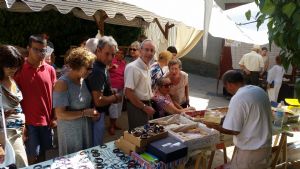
{"x": 127, "y": 147}
{"x": 173, "y": 121}
{"x": 194, "y": 140}
{"x": 145, "y": 164}
{"x": 143, "y": 142}
{"x": 168, "y": 149}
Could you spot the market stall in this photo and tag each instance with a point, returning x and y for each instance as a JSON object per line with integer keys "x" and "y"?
{"x": 169, "y": 142}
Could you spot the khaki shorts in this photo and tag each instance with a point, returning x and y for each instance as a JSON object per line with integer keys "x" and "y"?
{"x": 251, "y": 159}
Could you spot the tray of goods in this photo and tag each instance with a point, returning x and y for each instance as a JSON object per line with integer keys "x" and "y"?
{"x": 142, "y": 136}
{"x": 195, "y": 115}
{"x": 196, "y": 136}
{"x": 173, "y": 121}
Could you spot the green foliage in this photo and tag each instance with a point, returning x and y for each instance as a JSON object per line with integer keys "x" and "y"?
{"x": 283, "y": 19}
{"x": 248, "y": 15}
{"x": 64, "y": 30}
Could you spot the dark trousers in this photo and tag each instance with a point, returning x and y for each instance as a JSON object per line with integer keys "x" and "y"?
{"x": 252, "y": 78}
{"x": 136, "y": 116}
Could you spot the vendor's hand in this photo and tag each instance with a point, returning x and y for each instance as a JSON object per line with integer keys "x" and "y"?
{"x": 53, "y": 124}
{"x": 9, "y": 112}
{"x": 149, "y": 110}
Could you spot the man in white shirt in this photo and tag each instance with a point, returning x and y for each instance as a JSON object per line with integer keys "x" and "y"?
{"x": 138, "y": 86}
{"x": 249, "y": 120}
{"x": 252, "y": 64}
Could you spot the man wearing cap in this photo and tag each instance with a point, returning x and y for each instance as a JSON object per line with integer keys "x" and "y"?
{"x": 138, "y": 86}
{"x": 36, "y": 80}
{"x": 252, "y": 64}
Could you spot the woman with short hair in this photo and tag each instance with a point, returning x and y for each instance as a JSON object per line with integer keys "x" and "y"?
{"x": 180, "y": 83}
{"x": 72, "y": 102}
{"x": 162, "y": 98}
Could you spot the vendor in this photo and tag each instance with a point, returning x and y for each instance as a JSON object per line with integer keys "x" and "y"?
{"x": 163, "y": 99}
{"x": 249, "y": 120}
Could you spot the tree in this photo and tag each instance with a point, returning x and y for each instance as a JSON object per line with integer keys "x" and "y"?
{"x": 283, "y": 20}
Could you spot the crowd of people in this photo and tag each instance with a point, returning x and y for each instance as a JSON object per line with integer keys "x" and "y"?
{"x": 96, "y": 80}
{"x": 255, "y": 66}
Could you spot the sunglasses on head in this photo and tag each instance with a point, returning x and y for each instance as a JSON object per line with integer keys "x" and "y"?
{"x": 132, "y": 49}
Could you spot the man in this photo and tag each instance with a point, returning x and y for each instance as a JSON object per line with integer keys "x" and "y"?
{"x": 252, "y": 64}
{"x": 98, "y": 83}
{"x": 138, "y": 86}
{"x": 173, "y": 50}
{"x": 264, "y": 54}
{"x": 36, "y": 80}
{"x": 249, "y": 120}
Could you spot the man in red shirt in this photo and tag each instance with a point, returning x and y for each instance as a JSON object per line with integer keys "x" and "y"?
{"x": 36, "y": 80}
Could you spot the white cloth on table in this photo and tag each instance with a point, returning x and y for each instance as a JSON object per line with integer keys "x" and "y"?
{"x": 252, "y": 61}
{"x": 250, "y": 114}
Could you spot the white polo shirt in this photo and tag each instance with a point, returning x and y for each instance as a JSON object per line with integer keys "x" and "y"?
{"x": 252, "y": 61}
{"x": 137, "y": 77}
{"x": 250, "y": 114}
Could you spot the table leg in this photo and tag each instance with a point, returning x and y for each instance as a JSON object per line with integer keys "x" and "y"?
{"x": 284, "y": 152}
{"x": 211, "y": 158}
{"x": 276, "y": 140}
{"x": 204, "y": 160}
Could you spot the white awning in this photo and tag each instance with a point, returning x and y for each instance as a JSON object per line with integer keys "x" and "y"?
{"x": 115, "y": 10}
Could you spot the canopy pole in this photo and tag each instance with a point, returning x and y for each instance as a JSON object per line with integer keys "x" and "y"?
{"x": 165, "y": 31}
{"x": 100, "y": 21}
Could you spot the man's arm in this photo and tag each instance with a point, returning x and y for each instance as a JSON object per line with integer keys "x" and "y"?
{"x": 100, "y": 100}
{"x": 221, "y": 129}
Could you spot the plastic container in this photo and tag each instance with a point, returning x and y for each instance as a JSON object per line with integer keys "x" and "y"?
{"x": 278, "y": 118}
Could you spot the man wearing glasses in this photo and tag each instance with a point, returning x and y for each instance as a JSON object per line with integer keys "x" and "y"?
{"x": 138, "y": 86}
{"x": 99, "y": 85}
{"x": 36, "y": 80}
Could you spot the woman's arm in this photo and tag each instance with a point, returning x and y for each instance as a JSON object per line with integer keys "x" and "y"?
{"x": 171, "y": 108}
{"x": 186, "y": 91}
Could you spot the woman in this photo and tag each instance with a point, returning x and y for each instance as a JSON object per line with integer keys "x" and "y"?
{"x": 180, "y": 84}
{"x": 10, "y": 61}
{"x": 72, "y": 101}
{"x": 274, "y": 79}
{"x": 134, "y": 52}
{"x": 164, "y": 103}
{"x": 116, "y": 72}
{"x": 159, "y": 68}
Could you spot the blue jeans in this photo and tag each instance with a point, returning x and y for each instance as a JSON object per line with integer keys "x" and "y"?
{"x": 98, "y": 130}
{"x": 39, "y": 140}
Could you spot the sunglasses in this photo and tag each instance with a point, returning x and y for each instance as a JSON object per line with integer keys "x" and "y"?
{"x": 132, "y": 49}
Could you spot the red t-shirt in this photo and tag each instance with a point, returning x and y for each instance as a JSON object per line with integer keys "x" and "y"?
{"x": 36, "y": 85}
{"x": 117, "y": 74}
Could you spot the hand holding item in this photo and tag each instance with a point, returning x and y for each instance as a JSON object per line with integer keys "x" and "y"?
{"x": 247, "y": 72}
{"x": 118, "y": 98}
{"x": 149, "y": 110}
{"x": 53, "y": 123}
{"x": 90, "y": 113}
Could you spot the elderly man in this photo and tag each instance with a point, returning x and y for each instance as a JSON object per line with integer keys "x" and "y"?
{"x": 98, "y": 83}
{"x": 252, "y": 64}
{"x": 138, "y": 86}
{"x": 249, "y": 120}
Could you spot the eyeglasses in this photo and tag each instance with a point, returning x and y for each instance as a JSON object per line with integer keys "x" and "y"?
{"x": 37, "y": 50}
{"x": 89, "y": 68}
{"x": 132, "y": 49}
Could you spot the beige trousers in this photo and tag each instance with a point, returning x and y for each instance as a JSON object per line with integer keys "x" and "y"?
{"x": 251, "y": 159}
{"x": 15, "y": 139}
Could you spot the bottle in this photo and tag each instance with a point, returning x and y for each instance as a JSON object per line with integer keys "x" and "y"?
{"x": 279, "y": 116}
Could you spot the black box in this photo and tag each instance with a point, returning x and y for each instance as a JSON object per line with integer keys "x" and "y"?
{"x": 168, "y": 149}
